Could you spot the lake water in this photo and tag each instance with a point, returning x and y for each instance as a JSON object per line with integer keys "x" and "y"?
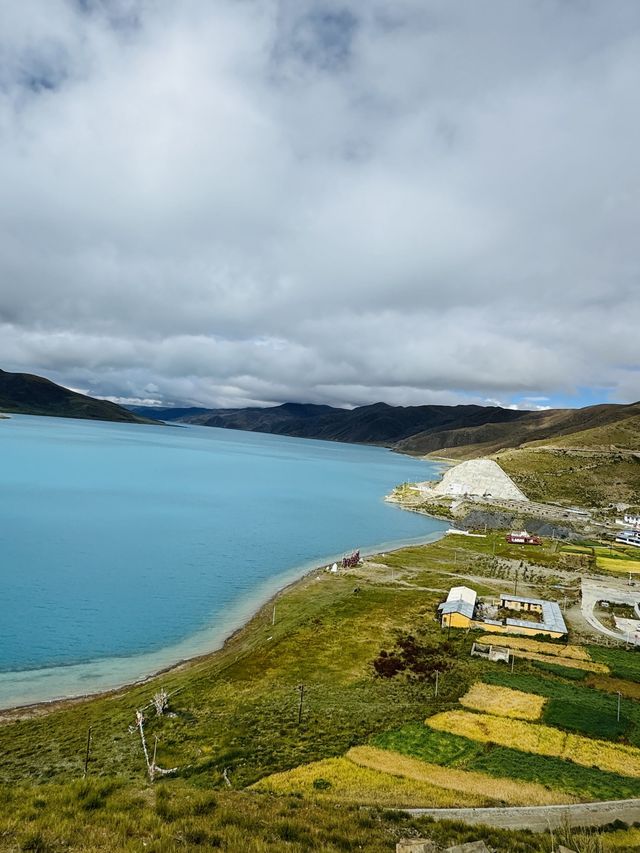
{"x": 126, "y": 548}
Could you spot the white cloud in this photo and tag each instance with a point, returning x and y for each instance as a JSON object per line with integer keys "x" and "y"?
{"x": 239, "y": 203}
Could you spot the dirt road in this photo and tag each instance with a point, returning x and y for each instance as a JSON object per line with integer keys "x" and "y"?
{"x": 542, "y": 818}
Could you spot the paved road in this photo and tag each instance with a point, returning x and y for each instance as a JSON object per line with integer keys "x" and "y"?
{"x": 541, "y": 818}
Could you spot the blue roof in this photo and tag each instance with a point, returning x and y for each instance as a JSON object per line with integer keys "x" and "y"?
{"x": 459, "y": 606}
{"x": 552, "y": 619}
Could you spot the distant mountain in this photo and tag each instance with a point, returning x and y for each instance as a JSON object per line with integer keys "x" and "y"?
{"x": 457, "y": 432}
{"x": 27, "y": 394}
{"x": 378, "y": 423}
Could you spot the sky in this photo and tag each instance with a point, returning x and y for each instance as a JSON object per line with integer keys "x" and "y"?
{"x": 246, "y": 202}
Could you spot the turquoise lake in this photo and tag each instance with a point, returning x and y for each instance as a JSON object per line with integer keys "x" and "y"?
{"x": 127, "y": 548}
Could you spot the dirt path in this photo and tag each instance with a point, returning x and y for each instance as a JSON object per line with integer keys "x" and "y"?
{"x": 542, "y": 818}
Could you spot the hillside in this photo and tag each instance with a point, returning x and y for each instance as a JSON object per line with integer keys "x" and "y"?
{"x": 27, "y": 394}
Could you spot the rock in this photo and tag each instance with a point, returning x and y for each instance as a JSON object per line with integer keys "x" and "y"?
{"x": 469, "y": 847}
{"x": 416, "y": 845}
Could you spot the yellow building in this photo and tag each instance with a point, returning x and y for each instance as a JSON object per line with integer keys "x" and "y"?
{"x": 457, "y": 611}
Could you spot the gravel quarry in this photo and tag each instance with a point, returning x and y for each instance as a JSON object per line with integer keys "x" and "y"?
{"x": 478, "y": 478}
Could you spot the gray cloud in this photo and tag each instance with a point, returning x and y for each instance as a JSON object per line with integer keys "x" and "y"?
{"x": 250, "y": 202}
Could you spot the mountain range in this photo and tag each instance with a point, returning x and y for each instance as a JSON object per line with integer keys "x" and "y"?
{"x": 458, "y": 432}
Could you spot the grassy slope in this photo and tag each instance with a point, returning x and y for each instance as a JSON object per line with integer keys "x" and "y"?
{"x": 562, "y": 476}
{"x": 589, "y": 467}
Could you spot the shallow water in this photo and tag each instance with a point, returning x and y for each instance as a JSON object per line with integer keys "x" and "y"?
{"x": 125, "y": 548}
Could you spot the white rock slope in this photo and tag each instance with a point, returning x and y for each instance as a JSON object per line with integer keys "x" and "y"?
{"x": 479, "y": 478}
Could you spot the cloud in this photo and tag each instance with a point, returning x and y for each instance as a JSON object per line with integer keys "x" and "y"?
{"x": 253, "y": 202}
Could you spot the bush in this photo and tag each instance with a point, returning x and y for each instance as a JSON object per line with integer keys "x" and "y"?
{"x": 419, "y": 660}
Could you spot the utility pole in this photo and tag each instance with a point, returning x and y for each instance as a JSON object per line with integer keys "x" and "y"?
{"x": 513, "y": 660}
{"x": 273, "y": 620}
{"x": 301, "y": 689}
{"x": 515, "y": 585}
{"x": 86, "y": 755}
{"x": 437, "y": 674}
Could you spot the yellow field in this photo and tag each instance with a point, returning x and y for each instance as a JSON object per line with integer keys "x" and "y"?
{"x": 352, "y": 783}
{"x": 465, "y": 781}
{"x": 574, "y": 652}
{"x": 588, "y": 665}
{"x": 503, "y": 702}
{"x": 629, "y": 689}
{"x": 539, "y": 739}
{"x": 611, "y": 564}
{"x": 574, "y": 656}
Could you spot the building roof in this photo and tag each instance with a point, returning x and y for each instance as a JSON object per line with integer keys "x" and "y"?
{"x": 504, "y": 596}
{"x": 464, "y": 593}
{"x": 552, "y": 618}
{"x": 459, "y": 606}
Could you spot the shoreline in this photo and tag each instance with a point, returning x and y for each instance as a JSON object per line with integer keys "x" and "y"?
{"x": 42, "y": 707}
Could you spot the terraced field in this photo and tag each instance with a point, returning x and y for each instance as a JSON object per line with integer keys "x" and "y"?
{"x": 503, "y": 702}
{"x": 519, "y": 738}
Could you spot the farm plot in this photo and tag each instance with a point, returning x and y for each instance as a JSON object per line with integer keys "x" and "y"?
{"x": 576, "y": 707}
{"x": 540, "y": 740}
{"x": 560, "y": 655}
{"x": 629, "y": 689}
{"x": 623, "y": 664}
{"x": 340, "y": 778}
{"x": 618, "y": 564}
{"x": 449, "y": 750}
{"x": 454, "y": 779}
{"x": 503, "y": 701}
{"x": 524, "y": 644}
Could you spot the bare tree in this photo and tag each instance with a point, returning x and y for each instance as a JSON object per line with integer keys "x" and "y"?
{"x": 161, "y": 701}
